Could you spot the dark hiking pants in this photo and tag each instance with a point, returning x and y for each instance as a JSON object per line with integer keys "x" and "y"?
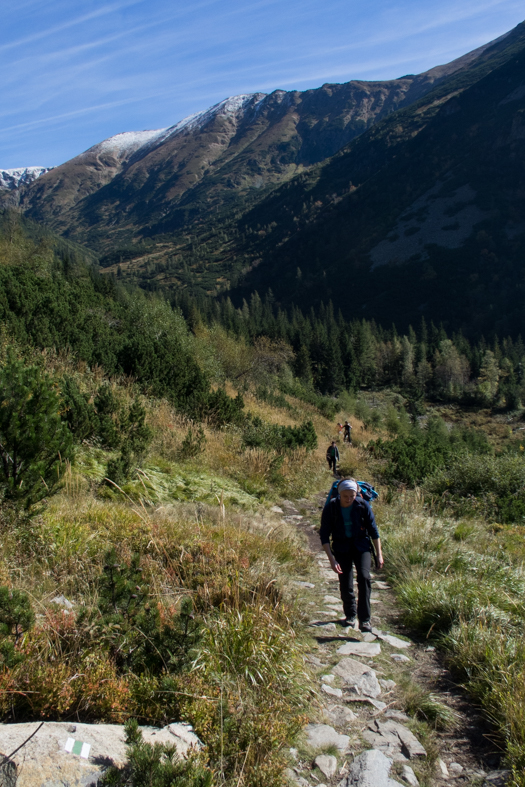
{"x": 362, "y": 562}
{"x": 332, "y": 463}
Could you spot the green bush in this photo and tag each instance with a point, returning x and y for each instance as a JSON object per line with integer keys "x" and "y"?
{"x": 129, "y": 624}
{"x": 34, "y": 442}
{"x": 416, "y": 454}
{"x": 260, "y": 434}
{"x": 494, "y": 484}
{"x": 193, "y": 443}
{"x": 156, "y": 765}
{"x": 16, "y": 617}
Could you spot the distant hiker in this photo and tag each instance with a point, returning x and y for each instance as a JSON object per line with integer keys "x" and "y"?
{"x": 349, "y": 536}
{"x": 340, "y": 428}
{"x": 347, "y": 437}
{"x": 332, "y": 456}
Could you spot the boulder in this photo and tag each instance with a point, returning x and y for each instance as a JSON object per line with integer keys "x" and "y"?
{"x": 358, "y": 676}
{"x": 394, "y": 739}
{"x": 319, "y": 736}
{"x": 367, "y": 649}
{"x": 369, "y": 769}
{"x": 327, "y": 764}
{"x": 339, "y": 715}
{"x": 51, "y": 758}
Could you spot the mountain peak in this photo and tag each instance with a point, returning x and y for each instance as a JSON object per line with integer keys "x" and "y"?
{"x": 11, "y": 179}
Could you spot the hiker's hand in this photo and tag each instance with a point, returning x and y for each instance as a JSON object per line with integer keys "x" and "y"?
{"x": 335, "y": 566}
{"x": 380, "y": 561}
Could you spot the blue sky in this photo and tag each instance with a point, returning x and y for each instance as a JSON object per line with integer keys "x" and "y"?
{"x": 75, "y": 72}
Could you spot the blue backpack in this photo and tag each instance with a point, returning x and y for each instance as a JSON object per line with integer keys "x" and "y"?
{"x": 368, "y": 492}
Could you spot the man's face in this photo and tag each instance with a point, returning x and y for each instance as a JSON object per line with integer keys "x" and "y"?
{"x": 347, "y": 497}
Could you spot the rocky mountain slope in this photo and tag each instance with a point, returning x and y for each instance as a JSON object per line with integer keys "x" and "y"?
{"x": 155, "y": 182}
{"x": 11, "y": 179}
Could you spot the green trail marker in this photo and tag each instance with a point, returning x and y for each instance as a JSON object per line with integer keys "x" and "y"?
{"x": 78, "y": 747}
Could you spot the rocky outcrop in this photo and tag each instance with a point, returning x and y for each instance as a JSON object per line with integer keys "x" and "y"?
{"x": 74, "y": 755}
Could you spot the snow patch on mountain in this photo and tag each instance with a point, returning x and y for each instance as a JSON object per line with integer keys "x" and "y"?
{"x": 11, "y": 179}
{"x": 131, "y": 142}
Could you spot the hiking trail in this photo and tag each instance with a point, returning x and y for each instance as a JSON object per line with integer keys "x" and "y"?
{"x": 364, "y": 731}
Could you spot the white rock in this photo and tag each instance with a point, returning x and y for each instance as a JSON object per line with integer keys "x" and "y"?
{"x": 332, "y": 600}
{"x": 328, "y": 678}
{"x": 320, "y": 624}
{"x": 394, "y": 641}
{"x": 339, "y": 715}
{"x": 397, "y": 715}
{"x": 62, "y": 601}
{"x": 409, "y": 776}
{"x": 277, "y": 510}
{"x": 380, "y": 585}
{"x": 399, "y": 657}
{"x": 46, "y": 761}
{"x": 368, "y": 649}
{"x": 369, "y": 637}
{"x": 321, "y": 736}
{"x": 455, "y": 768}
{"x": 387, "y": 684}
{"x": 443, "y": 769}
{"x": 304, "y": 584}
{"x": 369, "y": 769}
{"x": 359, "y": 676}
{"x": 331, "y": 691}
{"x": 327, "y": 764}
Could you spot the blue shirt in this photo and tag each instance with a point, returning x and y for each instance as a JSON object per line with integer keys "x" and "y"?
{"x": 347, "y": 520}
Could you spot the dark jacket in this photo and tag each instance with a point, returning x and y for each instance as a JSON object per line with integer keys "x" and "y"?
{"x": 363, "y": 523}
{"x": 332, "y": 451}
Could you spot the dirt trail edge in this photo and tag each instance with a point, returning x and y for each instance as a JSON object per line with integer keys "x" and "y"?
{"x": 374, "y": 690}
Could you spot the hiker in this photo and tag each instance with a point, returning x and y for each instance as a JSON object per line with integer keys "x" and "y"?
{"x": 347, "y": 437}
{"x": 349, "y": 535}
{"x": 332, "y": 456}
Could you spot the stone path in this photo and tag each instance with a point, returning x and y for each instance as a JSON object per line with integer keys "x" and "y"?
{"x": 359, "y": 735}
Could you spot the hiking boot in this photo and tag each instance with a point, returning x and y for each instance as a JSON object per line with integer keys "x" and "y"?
{"x": 365, "y": 626}
{"x": 349, "y": 621}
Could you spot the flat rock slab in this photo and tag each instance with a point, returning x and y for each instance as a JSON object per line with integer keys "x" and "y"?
{"x": 339, "y": 715}
{"x": 44, "y": 761}
{"x": 396, "y": 642}
{"x": 277, "y": 510}
{"x": 359, "y": 676}
{"x": 399, "y": 657}
{"x": 394, "y": 740}
{"x": 409, "y": 776}
{"x": 303, "y": 584}
{"x": 496, "y": 779}
{"x": 368, "y": 649}
{"x": 321, "y": 625}
{"x": 332, "y": 600}
{"x": 380, "y": 585}
{"x": 331, "y": 691}
{"x": 369, "y": 769}
{"x": 319, "y": 736}
{"x": 327, "y": 764}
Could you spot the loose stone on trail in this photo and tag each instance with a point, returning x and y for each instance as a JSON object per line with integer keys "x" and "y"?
{"x": 396, "y": 642}
{"x": 320, "y": 736}
{"x": 369, "y": 637}
{"x": 277, "y": 510}
{"x": 369, "y": 769}
{"x": 380, "y": 585}
{"x": 339, "y": 715}
{"x": 358, "y": 676}
{"x": 332, "y": 600}
{"x": 394, "y": 740}
{"x": 331, "y": 691}
{"x": 322, "y": 625}
{"x": 399, "y": 657}
{"x": 304, "y": 584}
{"x": 409, "y": 776}
{"x": 369, "y": 649}
{"x": 327, "y": 764}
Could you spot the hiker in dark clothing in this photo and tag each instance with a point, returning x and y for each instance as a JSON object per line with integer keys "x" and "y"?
{"x": 332, "y": 456}
{"x": 348, "y": 529}
{"x": 347, "y": 436}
